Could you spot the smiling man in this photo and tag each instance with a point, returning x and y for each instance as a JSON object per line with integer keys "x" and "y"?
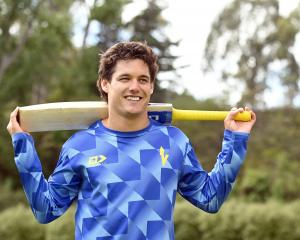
{"x": 128, "y": 93}
{"x": 125, "y": 171}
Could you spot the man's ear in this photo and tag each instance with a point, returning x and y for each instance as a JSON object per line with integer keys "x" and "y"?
{"x": 104, "y": 85}
{"x": 152, "y": 87}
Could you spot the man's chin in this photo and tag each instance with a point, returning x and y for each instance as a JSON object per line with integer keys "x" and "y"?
{"x": 136, "y": 108}
{"x": 135, "y": 111}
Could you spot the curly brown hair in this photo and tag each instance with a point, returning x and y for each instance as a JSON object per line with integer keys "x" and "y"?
{"x": 125, "y": 51}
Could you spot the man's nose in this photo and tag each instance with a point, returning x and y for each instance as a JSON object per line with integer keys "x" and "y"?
{"x": 134, "y": 85}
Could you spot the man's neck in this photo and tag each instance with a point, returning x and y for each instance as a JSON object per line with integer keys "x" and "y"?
{"x": 126, "y": 124}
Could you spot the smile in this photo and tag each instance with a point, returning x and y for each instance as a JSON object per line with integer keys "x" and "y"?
{"x": 133, "y": 98}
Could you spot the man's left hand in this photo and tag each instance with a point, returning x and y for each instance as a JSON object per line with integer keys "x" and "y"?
{"x": 239, "y": 126}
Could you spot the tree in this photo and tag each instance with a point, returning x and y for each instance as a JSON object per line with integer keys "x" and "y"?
{"x": 251, "y": 37}
{"x": 35, "y": 53}
{"x": 17, "y": 18}
{"x": 148, "y": 26}
{"x": 36, "y": 35}
{"x": 107, "y": 16}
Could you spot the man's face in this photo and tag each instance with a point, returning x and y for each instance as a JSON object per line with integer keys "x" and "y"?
{"x": 130, "y": 88}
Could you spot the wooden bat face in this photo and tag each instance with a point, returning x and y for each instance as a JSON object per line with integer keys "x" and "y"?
{"x": 77, "y": 115}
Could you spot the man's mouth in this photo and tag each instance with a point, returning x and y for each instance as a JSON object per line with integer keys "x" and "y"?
{"x": 133, "y": 98}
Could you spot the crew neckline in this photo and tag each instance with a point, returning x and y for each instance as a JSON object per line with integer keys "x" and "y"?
{"x": 98, "y": 125}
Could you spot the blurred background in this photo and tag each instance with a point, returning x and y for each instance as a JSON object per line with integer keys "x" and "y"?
{"x": 213, "y": 56}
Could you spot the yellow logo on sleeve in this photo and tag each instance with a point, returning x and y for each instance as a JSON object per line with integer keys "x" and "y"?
{"x": 96, "y": 160}
{"x": 164, "y": 157}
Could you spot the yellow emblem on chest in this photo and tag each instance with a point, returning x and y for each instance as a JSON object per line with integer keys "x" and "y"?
{"x": 96, "y": 160}
{"x": 164, "y": 157}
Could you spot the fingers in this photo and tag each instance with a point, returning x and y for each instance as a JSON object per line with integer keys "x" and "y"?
{"x": 13, "y": 125}
{"x": 253, "y": 116}
{"x": 234, "y": 111}
{"x": 14, "y": 114}
{"x": 241, "y": 126}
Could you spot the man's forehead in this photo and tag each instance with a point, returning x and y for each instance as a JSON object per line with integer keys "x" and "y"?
{"x": 132, "y": 66}
{"x": 131, "y": 61}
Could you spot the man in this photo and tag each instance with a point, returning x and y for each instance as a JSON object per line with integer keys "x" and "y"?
{"x": 124, "y": 171}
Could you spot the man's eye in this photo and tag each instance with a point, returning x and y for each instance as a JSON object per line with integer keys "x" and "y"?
{"x": 144, "y": 80}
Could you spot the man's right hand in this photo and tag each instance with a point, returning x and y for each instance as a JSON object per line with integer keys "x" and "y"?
{"x": 13, "y": 126}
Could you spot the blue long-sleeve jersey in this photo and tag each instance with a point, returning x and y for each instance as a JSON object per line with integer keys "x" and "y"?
{"x": 125, "y": 183}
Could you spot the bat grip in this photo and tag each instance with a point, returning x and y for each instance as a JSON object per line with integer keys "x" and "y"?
{"x": 207, "y": 115}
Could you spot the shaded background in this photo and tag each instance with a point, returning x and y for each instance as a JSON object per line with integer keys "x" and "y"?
{"x": 251, "y": 47}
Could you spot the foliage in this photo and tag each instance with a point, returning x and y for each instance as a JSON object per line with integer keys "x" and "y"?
{"x": 274, "y": 155}
{"x": 62, "y": 228}
{"x": 239, "y": 221}
{"x": 41, "y": 38}
{"x": 18, "y": 223}
{"x": 143, "y": 27}
{"x": 256, "y": 185}
{"x": 251, "y": 37}
{"x": 10, "y": 197}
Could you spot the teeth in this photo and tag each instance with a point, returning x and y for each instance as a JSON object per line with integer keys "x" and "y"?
{"x": 133, "y": 98}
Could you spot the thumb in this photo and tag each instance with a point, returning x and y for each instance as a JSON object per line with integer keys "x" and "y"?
{"x": 13, "y": 125}
{"x": 14, "y": 114}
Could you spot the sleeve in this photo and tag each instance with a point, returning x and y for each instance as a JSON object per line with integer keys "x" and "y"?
{"x": 48, "y": 199}
{"x": 208, "y": 191}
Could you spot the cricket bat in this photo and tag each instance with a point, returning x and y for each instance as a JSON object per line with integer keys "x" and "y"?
{"x": 79, "y": 115}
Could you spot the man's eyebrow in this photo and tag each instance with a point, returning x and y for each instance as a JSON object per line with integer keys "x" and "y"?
{"x": 128, "y": 75}
{"x": 124, "y": 75}
{"x": 144, "y": 76}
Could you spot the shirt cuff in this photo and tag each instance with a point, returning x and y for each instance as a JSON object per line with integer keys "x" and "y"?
{"x": 21, "y": 135}
{"x": 236, "y": 136}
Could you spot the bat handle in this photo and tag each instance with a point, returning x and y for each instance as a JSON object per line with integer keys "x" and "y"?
{"x": 207, "y": 115}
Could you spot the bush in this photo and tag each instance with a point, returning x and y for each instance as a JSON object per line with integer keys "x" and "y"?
{"x": 10, "y": 197}
{"x": 239, "y": 221}
{"x": 18, "y": 223}
{"x": 256, "y": 185}
{"x": 62, "y": 228}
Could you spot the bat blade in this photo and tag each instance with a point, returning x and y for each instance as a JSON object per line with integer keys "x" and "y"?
{"x": 61, "y": 115}
{"x": 77, "y": 115}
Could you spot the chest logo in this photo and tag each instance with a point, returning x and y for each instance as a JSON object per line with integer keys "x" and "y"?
{"x": 96, "y": 160}
{"x": 164, "y": 157}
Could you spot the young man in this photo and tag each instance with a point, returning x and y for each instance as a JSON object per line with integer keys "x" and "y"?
{"x": 124, "y": 171}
